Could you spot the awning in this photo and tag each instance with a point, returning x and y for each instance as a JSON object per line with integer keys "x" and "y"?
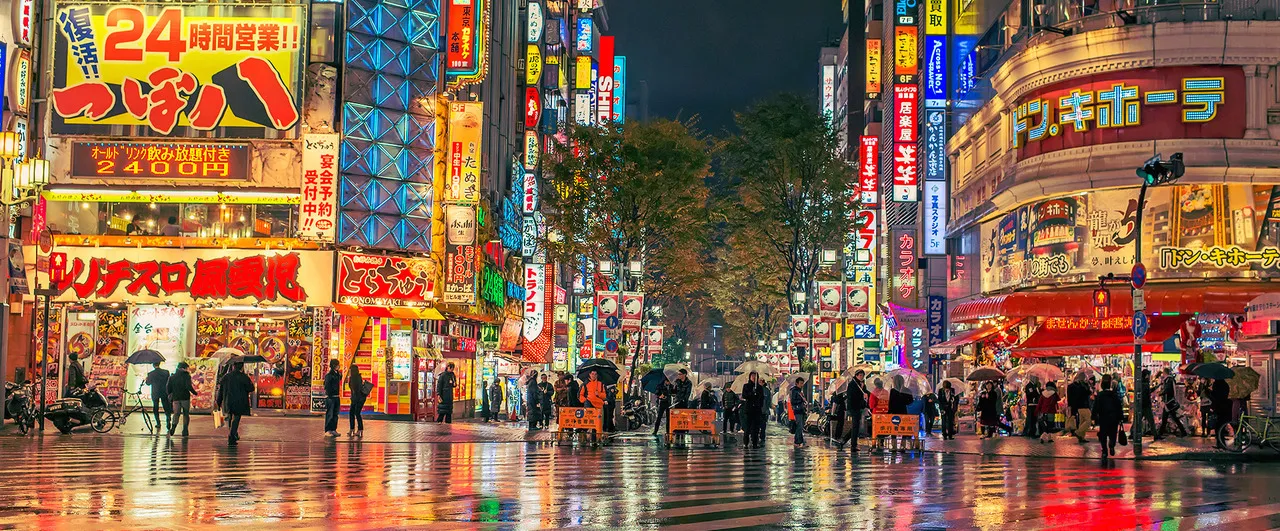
{"x": 385, "y": 311}
{"x": 1161, "y": 298}
{"x": 1102, "y": 337}
{"x": 1259, "y": 344}
{"x": 971, "y": 336}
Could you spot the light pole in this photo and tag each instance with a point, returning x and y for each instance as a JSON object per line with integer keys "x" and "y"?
{"x": 22, "y": 183}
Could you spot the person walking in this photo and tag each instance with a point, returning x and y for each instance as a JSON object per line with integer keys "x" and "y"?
{"x": 753, "y": 405}
{"x": 899, "y": 398}
{"x": 574, "y": 390}
{"x": 234, "y": 400}
{"x": 664, "y": 394}
{"x": 1205, "y": 394}
{"x": 332, "y": 398}
{"x": 1047, "y": 410}
{"x": 180, "y": 392}
{"x": 989, "y": 409}
{"x": 562, "y": 390}
{"x": 158, "y": 380}
{"x": 796, "y": 412}
{"x": 495, "y": 401}
{"x": 1169, "y": 395}
{"x": 1078, "y": 406}
{"x": 948, "y": 404}
{"x": 532, "y": 402}
{"x": 731, "y": 413}
{"x": 1031, "y": 396}
{"x": 855, "y": 404}
{"x": 1107, "y": 412}
{"x": 359, "y": 393}
{"x": 1148, "y": 411}
{"x": 930, "y": 412}
{"x": 1220, "y": 397}
{"x": 684, "y": 388}
{"x": 708, "y": 398}
{"x": 546, "y": 397}
{"x": 444, "y": 389}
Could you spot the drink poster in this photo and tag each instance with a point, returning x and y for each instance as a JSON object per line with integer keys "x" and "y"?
{"x": 211, "y": 335}
{"x": 298, "y": 368}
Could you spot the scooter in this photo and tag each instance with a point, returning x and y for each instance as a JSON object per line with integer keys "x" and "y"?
{"x": 15, "y": 398}
{"x": 75, "y": 411}
{"x": 636, "y": 412}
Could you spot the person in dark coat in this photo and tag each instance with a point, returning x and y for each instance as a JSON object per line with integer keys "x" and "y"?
{"x": 546, "y": 396}
{"x": 75, "y": 373}
{"x": 797, "y": 411}
{"x": 856, "y": 405}
{"x": 574, "y": 390}
{"x": 731, "y": 414}
{"x": 684, "y": 390}
{"x": 533, "y": 402}
{"x": 948, "y": 404}
{"x": 180, "y": 393}
{"x": 233, "y": 399}
{"x": 1220, "y": 397}
{"x": 899, "y": 398}
{"x": 930, "y": 412}
{"x": 989, "y": 409}
{"x": 485, "y": 408}
{"x": 158, "y": 379}
{"x": 355, "y": 417}
{"x": 1148, "y": 414}
{"x": 708, "y": 398}
{"x": 753, "y": 406}
{"x": 444, "y": 389}
{"x": 1169, "y": 395}
{"x": 495, "y": 401}
{"x": 665, "y": 391}
{"x": 1107, "y": 412}
{"x": 1078, "y": 404}
{"x": 332, "y": 398}
{"x": 1031, "y": 393}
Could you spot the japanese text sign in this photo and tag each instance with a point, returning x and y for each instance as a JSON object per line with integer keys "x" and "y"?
{"x": 935, "y": 17}
{"x": 869, "y": 170}
{"x": 935, "y": 69}
{"x": 904, "y": 12}
{"x": 829, "y": 299}
{"x": 582, "y": 73}
{"x": 538, "y": 280}
{"x": 604, "y": 82}
{"x": 864, "y": 223}
{"x": 370, "y": 280}
{"x": 584, "y": 38}
{"x": 905, "y": 54}
{"x": 461, "y": 254}
{"x": 619, "y": 88}
{"x": 532, "y": 107}
{"x": 902, "y": 266}
{"x": 164, "y": 66}
{"x": 906, "y": 102}
{"x": 883, "y": 425}
{"x": 906, "y": 185}
{"x": 21, "y": 93}
{"x": 935, "y": 217}
{"x": 464, "y": 150}
{"x": 532, "y": 68}
{"x": 935, "y": 145}
{"x": 580, "y": 418}
{"x": 149, "y": 275}
{"x": 937, "y": 319}
{"x": 318, "y": 204}
{"x": 873, "y": 67}
{"x": 535, "y": 25}
{"x": 155, "y": 160}
{"x": 23, "y": 16}
{"x": 466, "y": 40}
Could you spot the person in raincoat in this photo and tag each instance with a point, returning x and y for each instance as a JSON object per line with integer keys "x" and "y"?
{"x": 444, "y": 390}
{"x": 234, "y": 400}
{"x": 796, "y": 412}
{"x": 754, "y": 395}
{"x": 1107, "y": 412}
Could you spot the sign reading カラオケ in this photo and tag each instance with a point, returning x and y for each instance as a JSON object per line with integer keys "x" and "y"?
{"x": 162, "y": 67}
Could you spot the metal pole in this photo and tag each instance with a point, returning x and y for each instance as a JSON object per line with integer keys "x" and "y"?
{"x": 1139, "y": 383}
{"x": 44, "y": 359}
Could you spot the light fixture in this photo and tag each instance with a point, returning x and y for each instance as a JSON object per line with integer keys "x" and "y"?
{"x": 798, "y": 297}
{"x": 29, "y": 177}
{"x": 10, "y": 145}
{"x": 606, "y": 267}
{"x": 829, "y": 256}
{"x": 637, "y": 268}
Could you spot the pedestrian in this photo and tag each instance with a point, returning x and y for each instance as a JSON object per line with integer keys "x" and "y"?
{"x": 359, "y": 389}
{"x": 486, "y": 410}
{"x": 855, "y": 404}
{"x": 1148, "y": 412}
{"x": 1220, "y": 396}
{"x": 533, "y": 411}
{"x": 664, "y": 394}
{"x": 948, "y": 404}
{"x": 75, "y": 373}
{"x": 989, "y": 409}
{"x": 180, "y": 392}
{"x": 610, "y": 406}
{"x": 899, "y": 397}
{"x": 562, "y": 390}
{"x": 332, "y": 398}
{"x": 1107, "y": 412}
{"x": 546, "y": 395}
{"x": 1169, "y": 395}
{"x": 1205, "y": 394}
{"x": 684, "y": 388}
{"x": 879, "y": 400}
{"x": 708, "y": 398}
{"x": 753, "y": 405}
{"x": 1078, "y": 403}
{"x": 930, "y": 412}
{"x": 732, "y": 416}
{"x": 593, "y": 393}
{"x": 574, "y": 390}
{"x": 444, "y": 390}
{"x": 1047, "y": 411}
{"x": 234, "y": 400}
{"x": 796, "y": 411}
{"x": 495, "y": 401}
{"x": 158, "y": 379}
{"x": 1031, "y": 396}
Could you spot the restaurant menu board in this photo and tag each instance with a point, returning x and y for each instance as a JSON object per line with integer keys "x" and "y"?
{"x": 204, "y": 378}
{"x": 107, "y": 368}
{"x": 298, "y": 368}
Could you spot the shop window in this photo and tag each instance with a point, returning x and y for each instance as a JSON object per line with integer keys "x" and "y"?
{"x": 201, "y": 220}
{"x": 323, "y": 30}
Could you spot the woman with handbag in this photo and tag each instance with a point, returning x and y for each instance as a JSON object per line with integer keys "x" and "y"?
{"x": 360, "y": 390}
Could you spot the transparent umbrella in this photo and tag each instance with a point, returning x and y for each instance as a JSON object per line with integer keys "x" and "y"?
{"x": 756, "y": 366}
{"x": 1044, "y": 372}
{"x": 916, "y": 383}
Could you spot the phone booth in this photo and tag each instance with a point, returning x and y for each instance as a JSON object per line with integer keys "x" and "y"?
{"x": 423, "y": 391}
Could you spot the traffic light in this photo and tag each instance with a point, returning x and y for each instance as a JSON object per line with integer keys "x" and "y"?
{"x": 1155, "y": 171}
{"x": 1101, "y": 303}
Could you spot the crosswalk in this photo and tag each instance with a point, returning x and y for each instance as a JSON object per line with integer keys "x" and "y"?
{"x": 96, "y": 482}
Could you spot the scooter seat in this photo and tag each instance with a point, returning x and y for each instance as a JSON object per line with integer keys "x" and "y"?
{"x": 64, "y": 403}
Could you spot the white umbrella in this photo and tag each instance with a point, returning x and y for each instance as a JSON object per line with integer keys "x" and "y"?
{"x": 225, "y": 353}
{"x": 866, "y": 368}
{"x": 672, "y": 369}
{"x": 956, "y": 384}
{"x": 756, "y": 366}
{"x": 790, "y": 379}
{"x": 1045, "y": 372}
{"x": 740, "y": 381}
{"x": 917, "y": 384}
{"x": 839, "y": 385}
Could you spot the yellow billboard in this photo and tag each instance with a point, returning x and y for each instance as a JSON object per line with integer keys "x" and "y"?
{"x": 935, "y": 17}
{"x": 873, "y": 66}
{"x": 533, "y": 65}
{"x": 465, "y": 119}
{"x": 905, "y": 53}
{"x": 582, "y": 79}
{"x": 162, "y": 66}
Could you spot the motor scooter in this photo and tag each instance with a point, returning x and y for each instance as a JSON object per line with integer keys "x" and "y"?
{"x": 76, "y": 410}
{"x": 15, "y": 398}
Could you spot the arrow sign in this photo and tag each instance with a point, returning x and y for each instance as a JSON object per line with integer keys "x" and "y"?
{"x": 612, "y": 322}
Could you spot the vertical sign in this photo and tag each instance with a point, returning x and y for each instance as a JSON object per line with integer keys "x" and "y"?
{"x": 620, "y": 88}
{"x": 582, "y": 108}
{"x": 935, "y": 70}
{"x": 904, "y": 12}
{"x": 532, "y": 65}
{"x": 23, "y": 17}
{"x": 906, "y": 100}
{"x": 604, "y": 82}
{"x": 464, "y": 150}
{"x": 905, "y": 156}
{"x": 535, "y": 26}
{"x": 905, "y": 55}
{"x": 828, "y": 92}
{"x": 873, "y": 68}
{"x": 865, "y": 226}
{"x": 318, "y": 206}
{"x": 935, "y": 145}
{"x": 460, "y": 254}
{"x": 937, "y": 319}
{"x": 537, "y": 309}
{"x": 869, "y": 170}
{"x": 467, "y": 37}
{"x": 529, "y": 189}
{"x": 532, "y": 147}
{"x": 902, "y": 266}
{"x": 21, "y": 96}
{"x": 582, "y": 73}
{"x": 584, "y": 38}
{"x": 935, "y": 17}
{"x": 532, "y": 107}
{"x": 632, "y": 309}
{"x": 935, "y": 217}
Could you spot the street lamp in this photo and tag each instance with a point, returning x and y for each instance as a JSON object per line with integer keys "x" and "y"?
{"x": 606, "y": 267}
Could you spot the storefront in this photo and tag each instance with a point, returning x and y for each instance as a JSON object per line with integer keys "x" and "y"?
{"x": 188, "y": 303}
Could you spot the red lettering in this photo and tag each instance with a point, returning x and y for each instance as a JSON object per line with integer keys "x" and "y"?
{"x": 73, "y": 271}
{"x": 268, "y": 37}
{"x": 245, "y": 33}
{"x": 145, "y": 277}
{"x": 170, "y": 89}
{"x": 173, "y": 277}
{"x": 85, "y": 289}
{"x": 210, "y": 279}
{"x": 284, "y": 276}
{"x": 116, "y": 272}
{"x": 211, "y": 104}
{"x": 266, "y": 83}
{"x": 245, "y": 278}
{"x": 135, "y": 102}
{"x": 93, "y": 100}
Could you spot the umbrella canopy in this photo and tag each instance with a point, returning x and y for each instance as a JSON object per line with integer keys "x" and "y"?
{"x": 1045, "y": 372}
{"x": 1243, "y": 383}
{"x": 866, "y": 369}
{"x": 607, "y": 375}
{"x": 1213, "y": 371}
{"x": 652, "y": 380}
{"x": 672, "y": 369}
{"x": 1084, "y": 373}
{"x": 983, "y": 374}
{"x": 597, "y": 362}
{"x": 145, "y": 356}
{"x": 250, "y": 358}
{"x": 915, "y": 383}
{"x": 756, "y": 366}
{"x": 1190, "y": 368}
{"x": 790, "y": 379}
{"x": 957, "y": 385}
{"x": 741, "y": 380}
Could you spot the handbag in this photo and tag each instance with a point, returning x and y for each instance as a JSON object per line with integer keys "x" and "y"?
{"x": 217, "y": 419}
{"x": 1124, "y": 438}
{"x": 366, "y": 387}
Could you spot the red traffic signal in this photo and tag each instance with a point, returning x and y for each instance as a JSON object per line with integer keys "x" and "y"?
{"x": 1101, "y": 302}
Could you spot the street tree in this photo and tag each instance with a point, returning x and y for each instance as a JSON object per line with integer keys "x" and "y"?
{"x": 749, "y": 290}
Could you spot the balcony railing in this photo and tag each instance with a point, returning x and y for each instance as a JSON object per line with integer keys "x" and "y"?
{"x": 1079, "y": 16}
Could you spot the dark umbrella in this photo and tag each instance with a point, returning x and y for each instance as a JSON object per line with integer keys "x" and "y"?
{"x": 608, "y": 376}
{"x": 251, "y": 358}
{"x": 1214, "y": 371}
{"x": 145, "y": 356}
{"x": 597, "y": 362}
{"x": 982, "y": 374}
{"x": 1190, "y": 368}
{"x": 653, "y": 380}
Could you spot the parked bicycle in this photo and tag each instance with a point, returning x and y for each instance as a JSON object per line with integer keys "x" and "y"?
{"x": 105, "y": 419}
{"x": 1248, "y": 431}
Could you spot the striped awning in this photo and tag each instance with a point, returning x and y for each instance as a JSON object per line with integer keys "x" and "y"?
{"x": 389, "y": 311}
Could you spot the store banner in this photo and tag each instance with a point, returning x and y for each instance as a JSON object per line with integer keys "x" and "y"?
{"x": 187, "y": 276}
{"x": 906, "y": 173}
{"x": 873, "y": 68}
{"x": 467, "y": 32}
{"x": 869, "y": 171}
{"x": 582, "y": 73}
{"x": 821, "y": 332}
{"x": 604, "y": 81}
{"x": 535, "y": 22}
{"x": 857, "y": 301}
{"x": 388, "y": 281}
{"x": 903, "y": 267}
{"x": 533, "y": 69}
{"x": 160, "y": 328}
{"x": 906, "y": 102}
{"x": 532, "y": 150}
{"x": 653, "y": 343}
{"x": 538, "y": 306}
{"x": 318, "y": 204}
{"x": 584, "y": 37}
{"x": 935, "y": 218}
{"x": 465, "y": 120}
{"x": 170, "y": 66}
{"x": 509, "y": 336}
{"x": 620, "y": 89}
{"x": 800, "y": 330}
{"x": 906, "y": 61}
{"x": 461, "y": 255}
{"x": 632, "y": 312}
{"x": 936, "y": 315}
{"x": 608, "y": 303}
{"x": 829, "y": 299}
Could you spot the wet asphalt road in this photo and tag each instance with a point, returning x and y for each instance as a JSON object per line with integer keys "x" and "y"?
{"x": 87, "y": 482}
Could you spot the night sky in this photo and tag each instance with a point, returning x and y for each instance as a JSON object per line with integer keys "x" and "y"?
{"x": 712, "y": 57}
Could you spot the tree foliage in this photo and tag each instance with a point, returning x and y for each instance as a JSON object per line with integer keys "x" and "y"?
{"x": 749, "y": 290}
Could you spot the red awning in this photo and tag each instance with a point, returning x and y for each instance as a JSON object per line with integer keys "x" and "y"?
{"x": 971, "y": 336}
{"x": 1048, "y": 341}
{"x": 1161, "y": 298}
{"x": 384, "y": 311}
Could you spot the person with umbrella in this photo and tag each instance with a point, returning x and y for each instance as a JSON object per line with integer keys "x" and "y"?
{"x": 332, "y": 398}
{"x": 664, "y": 394}
{"x": 234, "y": 400}
{"x": 158, "y": 379}
{"x": 444, "y": 389}
{"x": 574, "y": 391}
{"x": 1169, "y": 395}
{"x": 1220, "y": 397}
{"x": 180, "y": 391}
{"x": 546, "y": 399}
{"x": 684, "y": 388}
{"x": 948, "y": 404}
{"x": 855, "y": 397}
{"x": 753, "y": 404}
{"x": 1030, "y": 393}
{"x": 989, "y": 410}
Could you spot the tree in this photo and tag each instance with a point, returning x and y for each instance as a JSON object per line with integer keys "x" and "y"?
{"x": 793, "y": 191}
{"x": 749, "y": 290}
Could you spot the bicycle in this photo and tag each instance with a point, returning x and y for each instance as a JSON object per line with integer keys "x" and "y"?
{"x": 27, "y": 416}
{"x": 104, "y": 419}
{"x": 1239, "y": 436}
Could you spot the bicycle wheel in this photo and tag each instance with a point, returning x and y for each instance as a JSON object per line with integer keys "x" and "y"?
{"x": 1235, "y": 438}
{"x": 102, "y": 420}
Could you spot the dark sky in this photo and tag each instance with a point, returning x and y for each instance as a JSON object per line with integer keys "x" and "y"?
{"x": 712, "y": 57}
